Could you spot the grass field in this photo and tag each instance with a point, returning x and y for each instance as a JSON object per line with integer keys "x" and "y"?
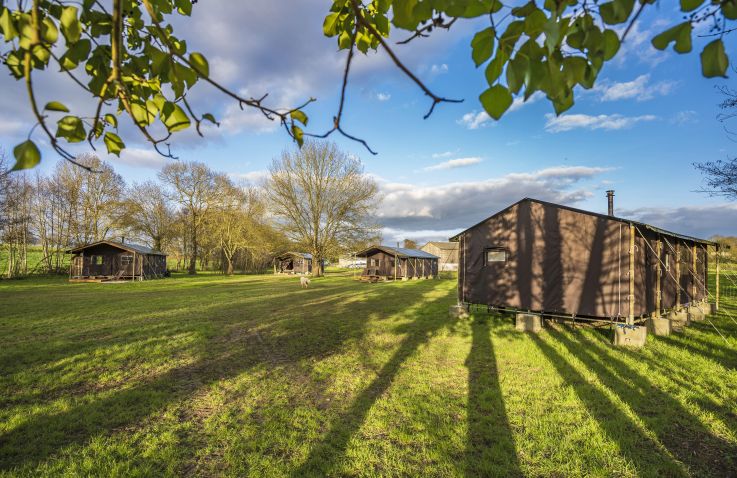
{"x": 253, "y": 376}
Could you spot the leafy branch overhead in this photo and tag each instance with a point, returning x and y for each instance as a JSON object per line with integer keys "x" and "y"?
{"x": 125, "y": 55}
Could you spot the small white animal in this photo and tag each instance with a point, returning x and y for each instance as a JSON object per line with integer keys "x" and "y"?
{"x": 304, "y": 282}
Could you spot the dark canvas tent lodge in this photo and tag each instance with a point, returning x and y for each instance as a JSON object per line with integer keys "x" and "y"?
{"x": 111, "y": 260}
{"x": 552, "y": 259}
{"x": 293, "y": 263}
{"x": 385, "y": 262}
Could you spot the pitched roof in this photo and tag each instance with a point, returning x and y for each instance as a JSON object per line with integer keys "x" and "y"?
{"x": 125, "y": 246}
{"x": 399, "y": 251}
{"x": 590, "y": 213}
{"x": 304, "y": 255}
{"x": 446, "y": 246}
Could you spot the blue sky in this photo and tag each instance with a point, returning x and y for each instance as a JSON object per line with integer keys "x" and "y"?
{"x": 639, "y": 131}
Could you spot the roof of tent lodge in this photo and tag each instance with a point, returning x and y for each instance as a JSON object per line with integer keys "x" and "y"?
{"x": 606, "y": 216}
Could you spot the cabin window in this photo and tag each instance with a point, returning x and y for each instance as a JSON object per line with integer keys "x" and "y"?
{"x": 495, "y": 255}
{"x": 96, "y": 260}
{"x": 126, "y": 260}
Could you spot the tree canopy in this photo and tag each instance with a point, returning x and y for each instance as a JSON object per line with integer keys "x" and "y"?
{"x": 125, "y": 54}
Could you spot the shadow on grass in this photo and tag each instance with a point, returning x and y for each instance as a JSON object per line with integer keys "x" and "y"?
{"x": 245, "y": 340}
{"x": 636, "y": 446}
{"x": 490, "y": 448}
{"x": 682, "y": 434}
{"x": 328, "y": 453}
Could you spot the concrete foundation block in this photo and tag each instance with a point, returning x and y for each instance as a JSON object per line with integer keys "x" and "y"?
{"x": 679, "y": 320}
{"x": 695, "y": 314}
{"x": 705, "y": 307}
{"x": 529, "y": 323}
{"x": 458, "y": 311}
{"x": 659, "y": 326}
{"x": 630, "y": 336}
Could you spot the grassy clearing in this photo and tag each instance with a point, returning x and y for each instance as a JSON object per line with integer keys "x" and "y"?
{"x": 252, "y": 376}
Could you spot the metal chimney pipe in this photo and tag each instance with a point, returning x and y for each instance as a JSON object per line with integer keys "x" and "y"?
{"x": 610, "y": 200}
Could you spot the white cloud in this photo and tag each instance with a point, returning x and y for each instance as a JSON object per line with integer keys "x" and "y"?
{"x": 444, "y": 154}
{"x": 454, "y": 163}
{"x": 140, "y": 158}
{"x": 641, "y": 89}
{"x": 410, "y": 207}
{"x": 685, "y": 117}
{"x": 382, "y": 96}
{"x": 474, "y": 120}
{"x": 253, "y": 177}
{"x": 439, "y": 69}
{"x": 698, "y": 221}
{"x": 557, "y": 124}
{"x": 10, "y": 127}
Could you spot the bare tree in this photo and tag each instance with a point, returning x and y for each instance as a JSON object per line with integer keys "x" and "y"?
{"x": 409, "y": 244}
{"x": 720, "y": 177}
{"x": 323, "y": 199}
{"x": 146, "y": 211}
{"x": 193, "y": 187}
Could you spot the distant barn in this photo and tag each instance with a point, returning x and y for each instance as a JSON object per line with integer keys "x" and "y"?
{"x": 551, "y": 259}
{"x": 385, "y": 263}
{"x": 447, "y": 253}
{"x": 293, "y": 263}
{"x": 110, "y": 260}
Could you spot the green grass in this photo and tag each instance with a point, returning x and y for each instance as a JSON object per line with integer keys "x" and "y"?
{"x": 253, "y": 376}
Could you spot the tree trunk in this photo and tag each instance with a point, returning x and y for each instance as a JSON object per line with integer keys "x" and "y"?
{"x": 193, "y": 260}
{"x": 316, "y": 264}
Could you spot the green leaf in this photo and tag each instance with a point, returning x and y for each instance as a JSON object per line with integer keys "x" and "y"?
{"x": 729, "y": 9}
{"x": 56, "y": 106}
{"x": 76, "y": 54}
{"x": 680, "y": 34}
{"x": 688, "y": 5}
{"x": 70, "y": 26}
{"x": 611, "y": 44}
{"x": 26, "y": 155}
{"x": 71, "y": 128}
{"x": 174, "y": 117}
{"x": 616, "y": 11}
{"x": 495, "y": 67}
{"x": 49, "y": 32}
{"x": 114, "y": 143}
{"x": 404, "y": 14}
{"x": 299, "y": 116}
{"x": 184, "y": 7}
{"x": 482, "y": 45}
{"x": 298, "y": 135}
{"x": 199, "y": 63}
{"x": 330, "y": 25}
{"x": 209, "y": 117}
{"x": 7, "y": 26}
{"x": 496, "y": 100}
{"x": 111, "y": 120}
{"x": 714, "y": 61}
{"x": 344, "y": 40}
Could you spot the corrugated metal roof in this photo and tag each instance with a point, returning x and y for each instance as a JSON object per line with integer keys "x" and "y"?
{"x": 401, "y": 252}
{"x": 590, "y": 213}
{"x": 126, "y": 246}
{"x": 444, "y": 245}
{"x": 305, "y": 255}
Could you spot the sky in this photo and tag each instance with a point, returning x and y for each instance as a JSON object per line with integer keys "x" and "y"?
{"x": 639, "y": 131}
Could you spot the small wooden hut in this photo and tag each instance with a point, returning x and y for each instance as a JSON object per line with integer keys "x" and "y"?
{"x": 104, "y": 261}
{"x": 447, "y": 253}
{"x": 293, "y": 263}
{"x": 557, "y": 260}
{"x": 391, "y": 263}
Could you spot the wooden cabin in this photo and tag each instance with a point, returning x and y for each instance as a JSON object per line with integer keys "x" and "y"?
{"x": 293, "y": 263}
{"x": 447, "y": 253}
{"x": 551, "y": 259}
{"x": 110, "y": 260}
{"x": 391, "y": 263}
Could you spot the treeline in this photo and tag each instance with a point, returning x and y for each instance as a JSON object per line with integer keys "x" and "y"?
{"x": 316, "y": 199}
{"x": 203, "y": 219}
